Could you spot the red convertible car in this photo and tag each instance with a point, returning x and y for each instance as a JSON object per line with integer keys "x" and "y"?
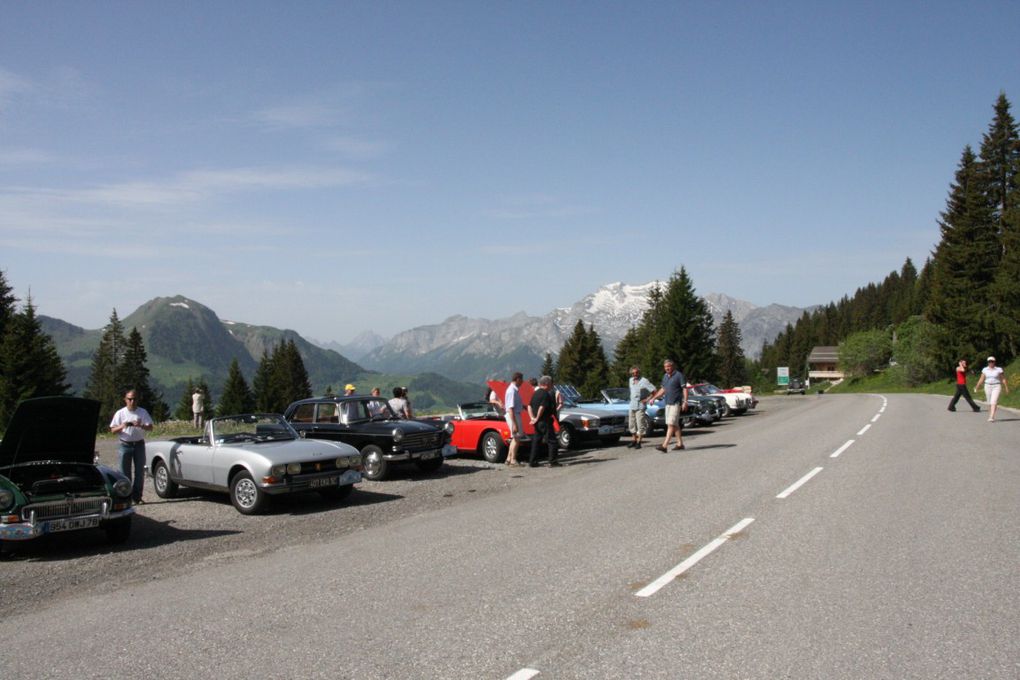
{"x": 480, "y": 427}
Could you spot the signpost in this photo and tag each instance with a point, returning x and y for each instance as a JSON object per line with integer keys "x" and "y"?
{"x": 782, "y": 376}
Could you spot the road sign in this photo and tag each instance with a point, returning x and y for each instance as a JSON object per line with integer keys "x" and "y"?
{"x": 782, "y": 375}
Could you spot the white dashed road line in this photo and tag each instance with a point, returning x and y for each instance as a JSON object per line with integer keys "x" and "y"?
{"x": 877, "y": 416}
{"x": 523, "y": 674}
{"x": 658, "y": 583}
{"x": 864, "y": 429}
{"x": 799, "y": 483}
{"x": 835, "y": 454}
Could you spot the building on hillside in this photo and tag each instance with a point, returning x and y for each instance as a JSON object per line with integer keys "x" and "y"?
{"x": 823, "y": 364}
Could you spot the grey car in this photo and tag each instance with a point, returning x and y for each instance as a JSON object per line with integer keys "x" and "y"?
{"x": 253, "y": 457}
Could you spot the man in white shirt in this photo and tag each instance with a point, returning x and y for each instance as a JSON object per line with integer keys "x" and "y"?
{"x": 513, "y": 405}
{"x": 130, "y": 425}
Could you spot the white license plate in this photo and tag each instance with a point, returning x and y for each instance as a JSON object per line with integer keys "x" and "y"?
{"x": 71, "y": 524}
{"x": 323, "y": 482}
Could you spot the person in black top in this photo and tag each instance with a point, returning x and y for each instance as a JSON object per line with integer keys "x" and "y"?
{"x": 542, "y": 411}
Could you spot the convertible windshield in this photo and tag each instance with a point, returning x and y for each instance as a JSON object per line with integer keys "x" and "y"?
{"x": 254, "y": 427}
{"x": 617, "y": 395}
{"x": 478, "y": 410}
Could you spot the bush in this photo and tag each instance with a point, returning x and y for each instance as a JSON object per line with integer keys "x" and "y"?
{"x": 865, "y": 352}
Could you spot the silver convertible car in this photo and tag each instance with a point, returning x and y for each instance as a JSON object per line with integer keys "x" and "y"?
{"x": 253, "y": 457}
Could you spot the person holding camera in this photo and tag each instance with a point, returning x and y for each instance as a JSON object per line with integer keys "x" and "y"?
{"x": 130, "y": 425}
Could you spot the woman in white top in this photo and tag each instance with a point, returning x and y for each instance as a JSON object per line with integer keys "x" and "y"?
{"x": 994, "y": 380}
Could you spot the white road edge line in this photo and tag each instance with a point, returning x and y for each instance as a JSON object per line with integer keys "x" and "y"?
{"x": 523, "y": 674}
{"x": 877, "y": 416}
{"x": 864, "y": 429}
{"x": 849, "y": 443}
{"x": 658, "y": 583}
{"x": 799, "y": 483}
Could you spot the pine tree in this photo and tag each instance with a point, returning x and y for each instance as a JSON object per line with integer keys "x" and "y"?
{"x": 964, "y": 263}
{"x": 106, "y": 383}
{"x": 1000, "y": 160}
{"x": 732, "y": 369}
{"x": 29, "y": 363}
{"x": 626, "y": 354}
{"x": 8, "y": 304}
{"x": 548, "y": 368}
{"x": 134, "y": 375}
{"x": 570, "y": 366}
{"x": 683, "y": 330}
{"x": 594, "y": 365}
{"x": 262, "y": 383}
{"x": 237, "y": 396}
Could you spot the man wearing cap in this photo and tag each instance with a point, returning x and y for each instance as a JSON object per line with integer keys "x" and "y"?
{"x": 961, "y": 387}
{"x": 349, "y": 409}
{"x": 994, "y": 379}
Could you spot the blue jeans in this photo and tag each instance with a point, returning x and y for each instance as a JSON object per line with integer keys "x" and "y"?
{"x": 134, "y": 453}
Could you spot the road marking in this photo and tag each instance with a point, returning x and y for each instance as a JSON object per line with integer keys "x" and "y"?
{"x": 799, "y": 483}
{"x": 658, "y": 583}
{"x": 864, "y": 429}
{"x": 523, "y": 674}
{"x": 835, "y": 454}
{"x": 877, "y": 416}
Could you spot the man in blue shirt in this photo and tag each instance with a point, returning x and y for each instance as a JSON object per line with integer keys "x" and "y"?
{"x": 674, "y": 387}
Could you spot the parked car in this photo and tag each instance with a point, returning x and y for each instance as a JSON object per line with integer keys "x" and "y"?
{"x": 369, "y": 424}
{"x": 50, "y": 481}
{"x": 589, "y": 420}
{"x": 701, "y": 391}
{"x": 480, "y": 428}
{"x": 737, "y": 402}
{"x": 795, "y": 387}
{"x": 253, "y": 457}
{"x": 701, "y": 411}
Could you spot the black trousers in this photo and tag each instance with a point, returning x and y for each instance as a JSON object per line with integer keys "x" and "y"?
{"x": 961, "y": 391}
{"x": 543, "y": 434}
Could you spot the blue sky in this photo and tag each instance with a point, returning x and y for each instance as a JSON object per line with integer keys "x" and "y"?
{"x": 336, "y": 167}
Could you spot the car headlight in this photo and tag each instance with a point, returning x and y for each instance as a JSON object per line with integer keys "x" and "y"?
{"x": 6, "y": 499}
{"x": 398, "y": 434}
{"x": 122, "y": 487}
{"x": 342, "y": 462}
{"x": 294, "y": 469}
{"x": 589, "y": 422}
{"x": 278, "y": 471}
{"x": 448, "y": 428}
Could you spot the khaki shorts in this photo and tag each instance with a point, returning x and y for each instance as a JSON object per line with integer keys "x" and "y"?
{"x": 512, "y": 416}
{"x": 992, "y": 393}
{"x": 673, "y": 415}
{"x": 638, "y": 422}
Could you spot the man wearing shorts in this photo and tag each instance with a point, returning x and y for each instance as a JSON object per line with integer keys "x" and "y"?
{"x": 674, "y": 388}
{"x": 512, "y": 404}
{"x": 640, "y": 389}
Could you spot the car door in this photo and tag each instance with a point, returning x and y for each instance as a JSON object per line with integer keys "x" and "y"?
{"x": 195, "y": 462}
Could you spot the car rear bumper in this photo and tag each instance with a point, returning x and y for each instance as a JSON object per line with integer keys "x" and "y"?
{"x": 27, "y": 530}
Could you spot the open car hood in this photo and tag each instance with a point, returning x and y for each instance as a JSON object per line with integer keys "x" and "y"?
{"x": 51, "y": 428}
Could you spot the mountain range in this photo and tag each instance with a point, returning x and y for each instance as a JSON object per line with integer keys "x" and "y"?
{"x": 474, "y": 350}
{"x": 186, "y": 340}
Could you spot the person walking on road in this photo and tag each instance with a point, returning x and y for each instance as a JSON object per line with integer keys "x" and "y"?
{"x": 640, "y": 389}
{"x": 512, "y": 404}
{"x": 994, "y": 379}
{"x": 674, "y": 388}
{"x": 542, "y": 412}
{"x": 961, "y": 387}
{"x": 130, "y": 425}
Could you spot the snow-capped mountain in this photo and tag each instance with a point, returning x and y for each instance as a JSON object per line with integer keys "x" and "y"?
{"x": 475, "y": 349}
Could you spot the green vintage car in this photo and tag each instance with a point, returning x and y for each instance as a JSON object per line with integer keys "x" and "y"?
{"x": 49, "y": 479}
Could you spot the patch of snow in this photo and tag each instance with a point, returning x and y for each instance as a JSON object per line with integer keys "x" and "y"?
{"x": 180, "y": 304}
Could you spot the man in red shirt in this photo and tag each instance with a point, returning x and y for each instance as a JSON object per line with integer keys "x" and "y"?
{"x": 961, "y": 387}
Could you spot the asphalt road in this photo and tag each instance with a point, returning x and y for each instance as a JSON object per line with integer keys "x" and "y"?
{"x": 755, "y": 553}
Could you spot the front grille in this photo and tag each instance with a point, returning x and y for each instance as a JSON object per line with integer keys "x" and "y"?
{"x": 420, "y": 441}
{"x": 613, "y": 420}
{"x": 73, "y": 507}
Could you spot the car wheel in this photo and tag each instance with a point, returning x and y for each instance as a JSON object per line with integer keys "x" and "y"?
{"x": 337, "y": 493}
{"x": 246, "y": 496}
{"x": 566, "y": 437}
{"x": 375, "y": 465}
{"x": 725, "y": 410}
{"x": 165, "y": 487}
{"x": 430, "y": 465}
{"x": 118, "y": 530}
{"x": 493, "y": 448}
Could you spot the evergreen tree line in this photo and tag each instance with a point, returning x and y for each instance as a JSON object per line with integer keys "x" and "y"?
{"x": 964, "y": 303}
{"x": 29, "y": 364}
